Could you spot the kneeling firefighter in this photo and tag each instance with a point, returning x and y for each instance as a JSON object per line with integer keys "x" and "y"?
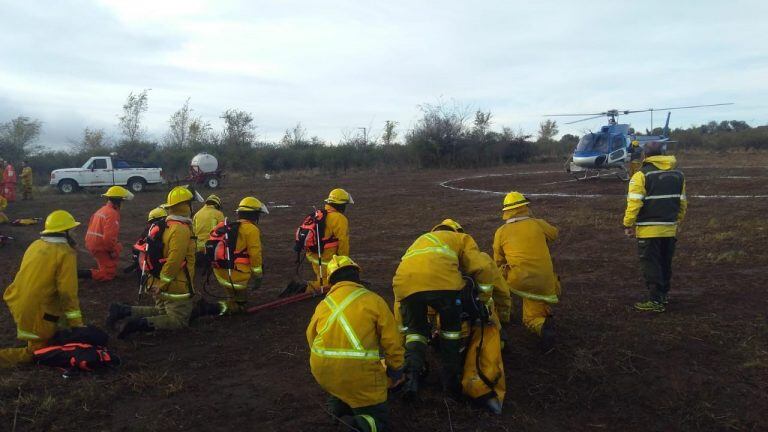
{"x": 168, "y": 265}
{"x": 234, "y": 251}
{"x": 349, "y": 330}
{"x": 520, "y": 249}
{"x": 430, "y": 275}
{"x": 43, "y": 295}
{"x": 204, "y": 221}
{"x": 101, "y": 239}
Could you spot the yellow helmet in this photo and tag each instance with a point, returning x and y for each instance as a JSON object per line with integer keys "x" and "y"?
{"x": 635, "y": 143}
{"x": 339, "y": 196}
{"x": 157, "y": 212}
{"x": 514, "y": 200}
{"x": 339, "y": 262}
{"x": 249, "y": 204}
{"x": 178, "y": 195}
{"x": 213, "y": 199}
{"x": 59, "y": 221}
{"x": 449, "y": 223}
{"x": 118, "y": 192}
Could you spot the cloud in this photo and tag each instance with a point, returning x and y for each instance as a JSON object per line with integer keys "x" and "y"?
{"x": 339, "y": 65}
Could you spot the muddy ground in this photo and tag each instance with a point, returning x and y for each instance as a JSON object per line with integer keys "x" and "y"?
{"x": 702, "y": 365}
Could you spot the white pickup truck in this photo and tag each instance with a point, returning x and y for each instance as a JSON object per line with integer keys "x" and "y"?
{"x": 107, "y": 171}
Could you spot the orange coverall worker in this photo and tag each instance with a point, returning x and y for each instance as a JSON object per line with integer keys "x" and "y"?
{"x": 42, "y": 296}
{"x": 9, "y": 183}
{"x": 336, "y": 239}
{"x": 101, "y": 241}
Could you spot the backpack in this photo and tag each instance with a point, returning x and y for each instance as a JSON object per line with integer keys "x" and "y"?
{"x": 90, "y": 334}
{"x": 148, "y": 250}
{"x": 76, "y": 356}
{"x": 220, "y": 246}
{"x": 310, "y": 234}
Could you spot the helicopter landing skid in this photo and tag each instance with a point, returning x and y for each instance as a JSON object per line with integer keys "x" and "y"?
{"x": 581, "y": 174}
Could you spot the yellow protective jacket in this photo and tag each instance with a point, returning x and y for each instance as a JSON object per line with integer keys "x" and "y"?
{"x": 44, "y": 289}
{"x": 248, "y": 241}
{"x": 336, "y": 228}
{"x": 349, "y": 333}
{"x": 436, "y": 262}
{"x": 203, "y": 222}
{"x": 637, "y": 195}
{"x": 26, "y": 176}
{"x": 520, "y": 249}
{"x": 179, "y": 254}
{"x": 3, "y": 205}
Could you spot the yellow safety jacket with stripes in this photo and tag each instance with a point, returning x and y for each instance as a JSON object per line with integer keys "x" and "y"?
{"x": 44, "y": 290}
{"x": 179, "y": 255}
{"x": 351, "y": 331}
{"x": 520, "y": 250}
{"x": 656, "y": 201}
{"x": 336, "y": 230}
{"x": 436, "y": 262}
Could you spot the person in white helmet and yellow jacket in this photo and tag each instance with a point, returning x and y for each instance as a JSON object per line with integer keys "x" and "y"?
{"x": 44, "y": 294}
{"x": 521, "y": 250}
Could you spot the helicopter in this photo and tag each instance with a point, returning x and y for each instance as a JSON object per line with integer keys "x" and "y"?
{"x": 610, "y": 149}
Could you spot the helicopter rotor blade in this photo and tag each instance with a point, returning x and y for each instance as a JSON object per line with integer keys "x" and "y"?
{"x": 674, "y": 108}
{"x": 575, "y": 115}
{"x": 585, "y": 119}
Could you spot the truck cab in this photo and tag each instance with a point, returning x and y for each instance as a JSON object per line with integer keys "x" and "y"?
{"x": 100, "y": 171}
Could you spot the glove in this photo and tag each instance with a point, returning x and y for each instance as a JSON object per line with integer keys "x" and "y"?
{"x": 396, "y": 377}
{"x": 254, "y": 283}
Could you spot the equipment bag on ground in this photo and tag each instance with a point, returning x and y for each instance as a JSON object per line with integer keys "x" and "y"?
{"x": 76, "y": 356}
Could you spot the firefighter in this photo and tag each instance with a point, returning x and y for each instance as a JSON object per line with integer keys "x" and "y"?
{"x": 101, "y": 239}
{"x": 9, "y": 182}
{"x": 520, "y": 249}
{"x": 244, "y": 258}
{"x": 43, "y": 295}
{"x": 656, "y": 204}
{"x": 347, "y": 333}
{"x": 172, "y": 290}
{"x": 335, "y": 237}
{"x": 26, "y": 181}
{"x": 431, "y": 274}
{"x": 3, "y": 205}
{"x": 636, "y": 158}
{"x": 203, "y": 222}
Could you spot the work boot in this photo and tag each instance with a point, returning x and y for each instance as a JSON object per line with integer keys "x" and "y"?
{"x": 548, "y": 335}
{"x": 117, "y": 311}
{"x": 133, "y": 326}
{"x": 493, "y": 405}
{"x": 411, "y": 387}
{"x": 650, "y": 306}
{"x": 205, "y": 308}
{"x": 664, "y": 298}
{"x": 293, "y": 288}
{"x": 84, "y": 274}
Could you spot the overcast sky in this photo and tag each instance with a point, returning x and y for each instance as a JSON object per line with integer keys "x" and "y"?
{"x": 339, "y": 65}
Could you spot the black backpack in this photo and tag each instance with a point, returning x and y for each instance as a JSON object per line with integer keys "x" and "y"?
{"x": 76, "y": 357}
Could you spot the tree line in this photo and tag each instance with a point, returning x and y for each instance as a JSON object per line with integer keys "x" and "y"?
{"x": 446, "y": 135}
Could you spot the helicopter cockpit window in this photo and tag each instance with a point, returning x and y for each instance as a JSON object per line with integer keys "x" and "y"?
{"x": 618, "y": 142}
{"x": 586, "y": 142}
{"x": 594, "y": 143}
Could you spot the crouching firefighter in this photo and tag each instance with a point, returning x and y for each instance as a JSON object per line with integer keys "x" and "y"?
{"x": 204, "y": 221}
{"x": 167, "y": 269}
{"x": 430, "y": 275}
{"x": 520, "y": 249}
{"x": 43, "y": 295}
{"x": 348, "y": 332}
{"x": 234, "y": 251}
{"x": 323, "y": 234}
{"x": 154, "y": 217}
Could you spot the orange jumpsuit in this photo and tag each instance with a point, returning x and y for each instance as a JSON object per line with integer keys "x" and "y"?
{"x": 9, "y": 183}
{"x": 101, "y": 241}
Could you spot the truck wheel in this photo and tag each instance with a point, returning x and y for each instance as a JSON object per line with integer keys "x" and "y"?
{"x": 212, "y": 182}
{"x": 67, "y": 186}
{"x": 136, "y": 185}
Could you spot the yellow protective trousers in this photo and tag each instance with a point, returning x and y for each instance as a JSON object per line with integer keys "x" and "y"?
{"x": 535, "y": 312}
{"x": 486, "y": 339}
{"x": 236, "y": 303}
{"x": 10, "y": 357}
{"x": 166, "y": 314}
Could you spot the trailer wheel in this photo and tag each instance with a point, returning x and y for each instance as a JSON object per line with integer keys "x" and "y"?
{"x": 212, "y": 182}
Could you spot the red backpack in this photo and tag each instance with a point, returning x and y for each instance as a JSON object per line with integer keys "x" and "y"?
{"x": 220, "y": 246}
{"x": 76, "y": 356}
{"x": 310, "y": 234}
{"x": 148, "y": 250}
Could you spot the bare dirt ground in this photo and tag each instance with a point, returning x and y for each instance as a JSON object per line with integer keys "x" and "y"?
{"x": 702, "y": 365}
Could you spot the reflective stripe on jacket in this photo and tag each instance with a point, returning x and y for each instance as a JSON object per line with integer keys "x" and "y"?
{"x": 179, "y": 256}
{"x": 204, "y": 221}
{"x": 103, "y": 230}
{"x": 656, "y": 200}
{"x": 336, "y": 230}
{"x": 249, "y": 263}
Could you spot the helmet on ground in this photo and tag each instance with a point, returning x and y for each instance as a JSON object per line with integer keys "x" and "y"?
{"x": 339, "y": 262}
{"x": 157, "y": 212}
{"x": 178, "y": 195}
{"x": 252, "y": 204}
{"x": 59, "y": 221}
{"x": 514, "y": 200}
{"x": 450, "y": 224}
{"x": 339, "y": 196}
{"x": 118, "y": 192}
{"x": 213, "y": 199}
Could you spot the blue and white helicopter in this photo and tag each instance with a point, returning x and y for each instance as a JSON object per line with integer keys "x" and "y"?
{"x": 608, "y": 151}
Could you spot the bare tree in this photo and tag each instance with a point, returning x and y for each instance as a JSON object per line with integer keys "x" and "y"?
{"x": 133, "y": 109}
{"x": 389, "y": 135}
{"x": 18, "y": 136}
{"x": 547, "y": 130}
{"x": 179, "y": 125}
{"x": 239, "y": 129}
{"x": 92, "y": 141}
{"x": 295, "y": 136}
{"x": 482, "y": 122}
{"x": 200, "y": 132}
